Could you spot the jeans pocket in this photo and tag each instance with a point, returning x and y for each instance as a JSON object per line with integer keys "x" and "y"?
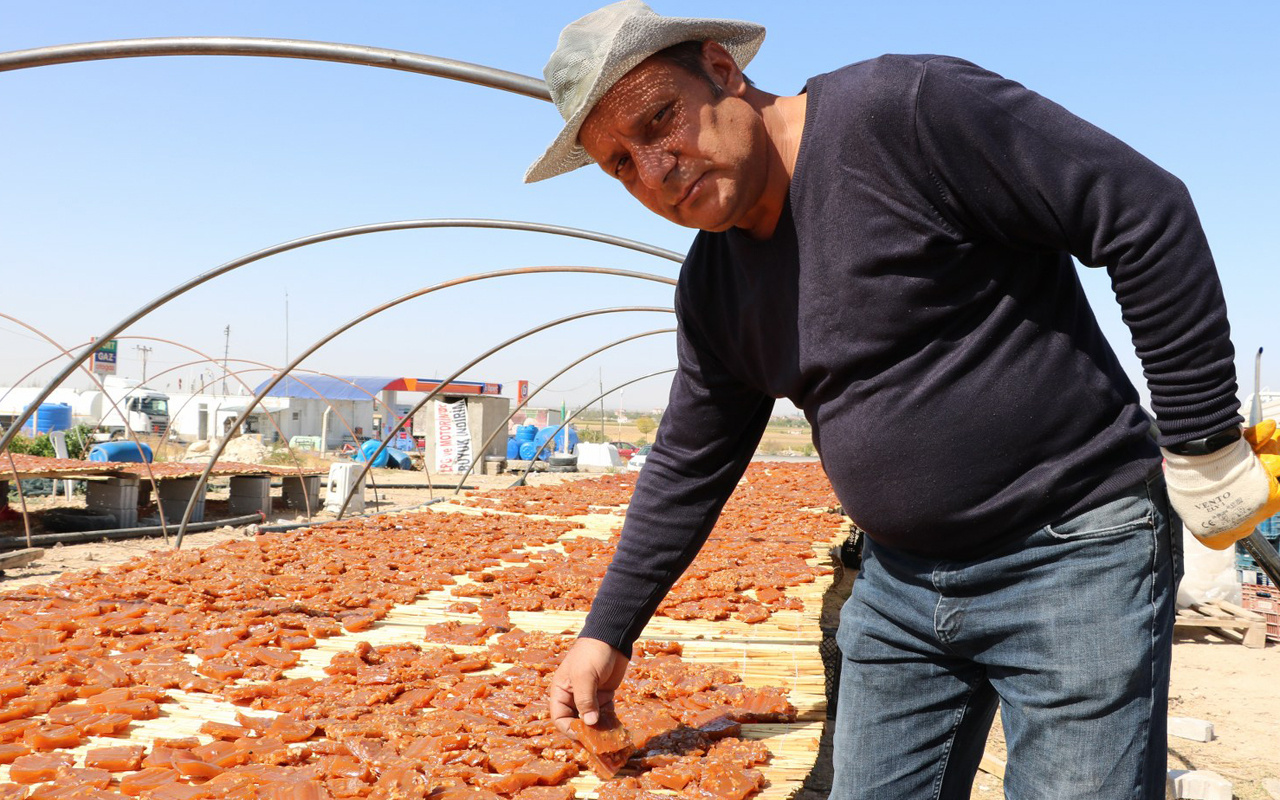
{"x": 1124, "y": 515}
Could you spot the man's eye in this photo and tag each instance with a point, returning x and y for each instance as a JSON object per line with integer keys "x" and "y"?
{"x": 661, "y": 115}
{"x": 619, "y": 164}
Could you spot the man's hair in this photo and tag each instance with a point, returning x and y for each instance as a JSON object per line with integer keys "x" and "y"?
{"x": 688, "y": 57}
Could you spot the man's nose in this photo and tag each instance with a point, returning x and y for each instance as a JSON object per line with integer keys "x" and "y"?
{"x": 653, "y": 165}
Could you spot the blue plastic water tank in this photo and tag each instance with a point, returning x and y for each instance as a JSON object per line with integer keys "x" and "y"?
{"x": 398, "y": 459}
{"x": 513, "y": 448}
{"x": 525, "y": 433}
{"x": 367, "y": 449}
{"x": 558, "y": 447}
{"x": 48, "y": 417}
{"x": 527, "y": 449}
{"x": 543, "y": 436}
{"x": 124, "y": 451}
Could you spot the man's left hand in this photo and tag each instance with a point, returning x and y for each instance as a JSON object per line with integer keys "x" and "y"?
{"x": 1224, "y": 495}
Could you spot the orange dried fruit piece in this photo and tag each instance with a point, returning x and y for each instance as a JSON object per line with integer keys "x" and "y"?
{"x": 51, "y": 737}
{"x": 38, "y": 767}
{"x": 91, "y": 778}
{"x": 104, "y": 724}
{"x": 188, "y": 764}
{"x": 124, "y": 758}
{"x": 147, "y": 780}
{"x": 608, "y": 744}
{"x": 177, "y": 791}
{"x": 11, "y": 752}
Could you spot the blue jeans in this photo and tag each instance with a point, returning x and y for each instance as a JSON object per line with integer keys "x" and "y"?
{"x": 1069, "y": 631}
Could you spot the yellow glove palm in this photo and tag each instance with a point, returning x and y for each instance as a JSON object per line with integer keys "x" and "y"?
{"x": 1265, "y": 442}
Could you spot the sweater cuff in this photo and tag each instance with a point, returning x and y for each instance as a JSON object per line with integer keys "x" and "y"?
{"x": 612, "y": 623}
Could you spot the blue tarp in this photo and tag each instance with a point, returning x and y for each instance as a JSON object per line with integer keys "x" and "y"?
{"x": 331, "y": 388}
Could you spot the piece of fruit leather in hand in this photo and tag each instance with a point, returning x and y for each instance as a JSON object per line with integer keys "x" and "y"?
{"x": 608, "y": 744}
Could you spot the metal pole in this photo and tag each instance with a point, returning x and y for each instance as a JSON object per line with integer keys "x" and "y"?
{"x": 253, "y": 403}
{"x": 402, "y": 60}
{"x": 294, "y": 244}
{"x": 432, "y": 394}
{"x": 546, "y": 383}
{"x": 520, "y": 481}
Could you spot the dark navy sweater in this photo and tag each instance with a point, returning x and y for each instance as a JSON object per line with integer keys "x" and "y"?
{"x": 919, "y": 302}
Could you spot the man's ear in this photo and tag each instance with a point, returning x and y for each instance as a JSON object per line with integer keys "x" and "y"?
{"x": 723, "y": 69}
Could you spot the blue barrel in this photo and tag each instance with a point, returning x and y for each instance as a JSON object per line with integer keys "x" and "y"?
{"x": 121, "y": 452}
{"x": 513, "y": 448}
{"x": 398, "y": 459}
{"x": 367, "y": 449}
{"x": 558, "y": 447}
{"x": 542, "y": 438}
{"x": 48, "y": 417}
{"x": 527, "y": 449}
{"x": 525, "y": 433}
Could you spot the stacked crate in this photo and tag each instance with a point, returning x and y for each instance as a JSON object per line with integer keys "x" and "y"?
{"x": 1257, "y": 591}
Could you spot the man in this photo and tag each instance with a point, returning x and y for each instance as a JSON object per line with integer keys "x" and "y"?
{"x": 891, "y": 250}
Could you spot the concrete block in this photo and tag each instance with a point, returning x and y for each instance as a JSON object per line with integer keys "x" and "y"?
{"x": 173, "y": 496}
{"x": 1196, "y": 784}
{"x": 296, "y": 498}
{"x": 250, "y": 494}
{"x": 116, "y": 496}
{"x": 1272, "y": 785}
{"x": 1197, "y": 730}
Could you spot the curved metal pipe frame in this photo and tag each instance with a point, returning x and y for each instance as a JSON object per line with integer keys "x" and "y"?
{"x": 263, "y": 367}
{"x": 457, "y": 373}
{"x": 385, "y": 306}
{"x": 259, "y": 367}
{"x": 206, "y": 358}
{"x": 503, "y": 426}
{"x": 164, "y": 439}
{"x": 521, "y": 480}
{"x": 402, "y": 60}
{"x": 17, "y": 425}
{"x": 294, "y": 244}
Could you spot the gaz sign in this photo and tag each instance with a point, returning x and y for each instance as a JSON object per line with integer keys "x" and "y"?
{"x": 104, "y": 358}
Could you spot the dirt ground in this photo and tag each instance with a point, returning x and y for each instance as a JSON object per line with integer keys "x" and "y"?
{"x": 1234, "y": 687}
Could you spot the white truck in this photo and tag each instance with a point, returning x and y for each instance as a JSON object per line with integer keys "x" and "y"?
{"x": 137, "y": 408}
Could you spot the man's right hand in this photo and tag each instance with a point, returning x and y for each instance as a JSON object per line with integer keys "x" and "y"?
{"x": 585, "y": 682}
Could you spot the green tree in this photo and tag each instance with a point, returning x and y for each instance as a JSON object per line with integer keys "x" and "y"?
{"x": 645, "y": 425}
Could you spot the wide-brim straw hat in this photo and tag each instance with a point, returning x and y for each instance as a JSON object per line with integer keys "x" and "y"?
{"x": 597, "y": 50}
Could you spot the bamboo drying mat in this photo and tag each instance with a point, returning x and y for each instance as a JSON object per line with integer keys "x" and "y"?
{"x": 779, "y": 652}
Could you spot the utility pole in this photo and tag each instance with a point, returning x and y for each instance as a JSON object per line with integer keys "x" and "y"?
{"x": 142, "y": 348}
{"x": 226, "y": 348}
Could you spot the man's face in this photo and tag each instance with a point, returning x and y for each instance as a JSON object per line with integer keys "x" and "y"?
{"x": 688, "y": 156}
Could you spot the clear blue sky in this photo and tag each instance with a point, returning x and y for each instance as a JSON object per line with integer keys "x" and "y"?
{"x": 123, "y": 178}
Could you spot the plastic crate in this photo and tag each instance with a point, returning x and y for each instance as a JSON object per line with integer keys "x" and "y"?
{"x": 1270, "y": 530}
{"x": 1254, "y": 576}
{"x": 1265, "y": 600}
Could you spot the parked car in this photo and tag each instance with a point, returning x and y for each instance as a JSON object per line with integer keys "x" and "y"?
{"x": 625, "y": 449}
{"x": 637, "y": 460}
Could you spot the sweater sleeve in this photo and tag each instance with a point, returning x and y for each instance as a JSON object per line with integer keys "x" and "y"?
{"x": 708, "y": 434}
{"x": 1009, "y": 164}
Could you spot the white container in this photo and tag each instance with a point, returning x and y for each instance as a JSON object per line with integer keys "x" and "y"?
{"x": 342, "y": 482}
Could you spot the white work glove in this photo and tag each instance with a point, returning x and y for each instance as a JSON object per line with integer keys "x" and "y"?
{"x": 1224, "y": 495}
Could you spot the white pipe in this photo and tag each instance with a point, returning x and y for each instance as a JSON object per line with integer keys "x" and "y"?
{"x": 324, "y": 430}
